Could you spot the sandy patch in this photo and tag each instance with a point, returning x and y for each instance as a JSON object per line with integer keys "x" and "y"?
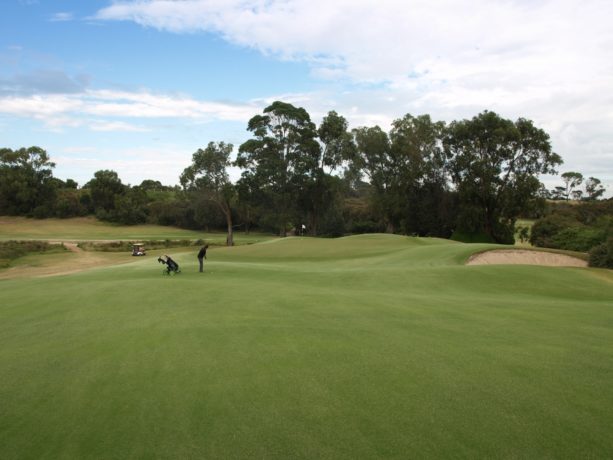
{"x": 525, "y": 257}
{"x": 72, "y": 247}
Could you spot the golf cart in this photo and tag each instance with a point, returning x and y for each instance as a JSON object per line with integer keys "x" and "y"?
{"x": 138, "y": 249}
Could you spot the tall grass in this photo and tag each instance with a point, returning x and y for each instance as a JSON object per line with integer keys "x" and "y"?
{"x": 11, "y": 250}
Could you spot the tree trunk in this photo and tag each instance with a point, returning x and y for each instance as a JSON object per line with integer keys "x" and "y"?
{"x": 227, "y": 211}
{"x": 230, "y": 237}
{"x": 314, "y": 221}
{"x": 313, "y": 224}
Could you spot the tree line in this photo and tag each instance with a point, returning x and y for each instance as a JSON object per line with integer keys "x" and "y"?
{"x": 469, "y": 179}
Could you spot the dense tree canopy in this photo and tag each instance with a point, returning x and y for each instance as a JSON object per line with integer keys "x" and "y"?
{"x": 26, "y": 181}
{"x": 338, "y": 147}
{"x": 208, "y": 175}
{"x": 104, "y": 189}
{"x": 495, "y": 164}
{"x": 421, "y": 185}
{"x": 281, "y": 157}
{"x": 372, "y": 161}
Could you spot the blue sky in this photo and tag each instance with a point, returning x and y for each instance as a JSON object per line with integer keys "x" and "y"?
{"x": 138, "y": 86}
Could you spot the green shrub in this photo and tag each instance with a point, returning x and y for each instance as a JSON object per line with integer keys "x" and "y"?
{"x": 601, "y": 256}
{"x": 523, "y": 233}
{"x": 578, "y": 238}
{"x": 544, "y": 230}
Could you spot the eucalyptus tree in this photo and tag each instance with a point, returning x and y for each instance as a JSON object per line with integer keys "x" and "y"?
{"x": 249, "y": 201}
{"x": 373, "y": 161}
{"x": 571, "y": 180}
{"x": 322, "y": 192}
{"x": 338, "y": 146}
{"x": 407, "y": 171}
{"x": 208, "y": 177}
{"x": 104, "y": 188}
{"x": 593, "y": 189}
{"x": 495, "y": 164}
{"x": 281, "y": 158}
{"x": 420, "y": 188}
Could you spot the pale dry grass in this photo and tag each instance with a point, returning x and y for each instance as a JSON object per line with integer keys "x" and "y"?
{"x": 75, "y": 260}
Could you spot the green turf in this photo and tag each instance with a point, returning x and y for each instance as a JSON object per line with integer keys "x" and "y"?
{"x": 361, "y": 347}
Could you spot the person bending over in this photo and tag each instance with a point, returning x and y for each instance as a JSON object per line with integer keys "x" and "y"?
{"x": 202, "y": 256}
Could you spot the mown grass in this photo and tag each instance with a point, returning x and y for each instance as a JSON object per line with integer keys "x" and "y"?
{"x": 361, "y": 347}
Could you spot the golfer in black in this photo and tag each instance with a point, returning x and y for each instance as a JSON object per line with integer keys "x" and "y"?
{"x": 202, "y": 256}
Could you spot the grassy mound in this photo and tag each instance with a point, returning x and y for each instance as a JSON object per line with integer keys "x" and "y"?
{"x": 360, "y": 347}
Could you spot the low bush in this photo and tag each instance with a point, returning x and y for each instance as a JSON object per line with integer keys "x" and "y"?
{"x": 544, "y": 230}
{"x": 577, "y": 238}
{"x": 601, "y": 256}
{"x": 564, "y": 230}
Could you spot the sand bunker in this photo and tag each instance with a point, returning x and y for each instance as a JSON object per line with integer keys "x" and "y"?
{"x": 524, "y": 257}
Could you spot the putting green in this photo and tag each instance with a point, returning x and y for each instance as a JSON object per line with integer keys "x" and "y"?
{"x": 372, "y": 346}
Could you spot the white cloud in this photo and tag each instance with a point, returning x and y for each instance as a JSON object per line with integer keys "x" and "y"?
{"x": 62, "y": 17}
{"x": 133, "y": 165}
{"x": 389, "y": 39}
{"x": 116, "y": 126}
{"x": 40, "y": 107}
{"x": 547, "y": 60}
{"x": 148, "y": 105}
{"x": 57, "y": 110}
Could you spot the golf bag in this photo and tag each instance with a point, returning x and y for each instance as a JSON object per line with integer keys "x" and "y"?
{"x": 172, "y": 267}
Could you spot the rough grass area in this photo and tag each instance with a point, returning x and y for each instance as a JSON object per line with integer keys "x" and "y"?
{"x": 11, "y": 250}
{"x": 368, "y": 347}
{"x": 127, "y": 246}
{"x": 91, "y": 229}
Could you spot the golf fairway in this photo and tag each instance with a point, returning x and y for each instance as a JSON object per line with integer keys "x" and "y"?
{"x": 373, "y": 346}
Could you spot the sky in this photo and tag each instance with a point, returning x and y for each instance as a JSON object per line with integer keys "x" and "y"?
{"x": 137, "y": 86}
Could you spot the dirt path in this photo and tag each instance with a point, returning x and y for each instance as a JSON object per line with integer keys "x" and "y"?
{"x": 525, "y": 257}
{"x": 72, "y": 247}
{"x": 73, "y": 261}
